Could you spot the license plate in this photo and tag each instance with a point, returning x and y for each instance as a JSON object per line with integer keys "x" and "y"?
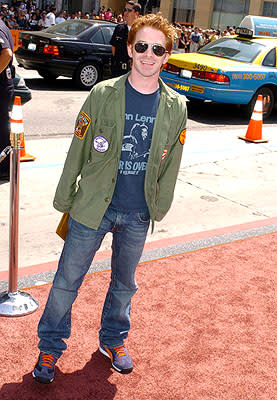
{"x": 184, "y": 73}
{"x": 32, "y": 46}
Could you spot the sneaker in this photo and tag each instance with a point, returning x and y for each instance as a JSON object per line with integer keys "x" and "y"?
{"x": 44, "y": 369}
{"x": 120, "y": 358}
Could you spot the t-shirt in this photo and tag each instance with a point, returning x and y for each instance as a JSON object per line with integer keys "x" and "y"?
{"x": 6, "y": 42}
{"x": 59, "y": 20}
{"x": 140, "y": 116}
{"x": 50, "y": 19}
{"x": 195, "y": 37}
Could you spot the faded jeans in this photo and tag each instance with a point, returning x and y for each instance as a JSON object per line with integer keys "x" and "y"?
{"x": 129, "y": 234}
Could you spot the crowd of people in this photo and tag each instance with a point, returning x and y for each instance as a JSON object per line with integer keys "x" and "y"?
{"x": 190, "y": 39}
{"x": 26, "y": 15}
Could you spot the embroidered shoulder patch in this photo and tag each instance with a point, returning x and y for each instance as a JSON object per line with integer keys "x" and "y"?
{"x": 82, "y": 125}
{"x": 182, "y": 136}
{"x": 164, "y": 154}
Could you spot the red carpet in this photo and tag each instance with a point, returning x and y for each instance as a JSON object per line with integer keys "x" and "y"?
{"x": 203, "y": 328}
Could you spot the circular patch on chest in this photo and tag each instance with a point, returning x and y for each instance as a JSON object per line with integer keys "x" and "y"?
{"x": 101, "y": 144}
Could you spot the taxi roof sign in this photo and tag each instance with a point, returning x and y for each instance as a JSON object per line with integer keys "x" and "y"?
{"x": 252, "y": 25}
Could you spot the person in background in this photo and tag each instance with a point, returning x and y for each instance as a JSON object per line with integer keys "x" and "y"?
{"x": 182, "y": 42}
{"x": 194, "y": 41}
{"x": 108, "y": 14}
{"x": 120, "y": 18}
{"x": 121, "y": 59}
{"x": 60, "y": 18}
{"x": 6, "y": 94}
{"x": 51, "y": 17}
{"x": 22, "y": 20}
{"x": 72, "y": 16}
{"x": 215, "y": 35}
{"x": 33, "y": 23}
{"x": 42, "y": 24}
{"x": 126, "y": 150}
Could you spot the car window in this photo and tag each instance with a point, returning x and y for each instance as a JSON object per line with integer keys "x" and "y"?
{"x": 233, "y": 49}
{"x": 270, "y": 59}
{"x": 73, "y": 28}
{"x": 97, "y": 37}
{"x": 107, "y": 33}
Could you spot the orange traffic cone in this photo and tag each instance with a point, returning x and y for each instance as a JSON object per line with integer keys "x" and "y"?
{"x": 254, "y": 130}
{"x": 16, "y": 121}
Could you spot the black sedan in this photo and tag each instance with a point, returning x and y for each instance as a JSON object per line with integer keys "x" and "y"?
{"x": 21, "y": 89}
{"x": 78, "y": 49}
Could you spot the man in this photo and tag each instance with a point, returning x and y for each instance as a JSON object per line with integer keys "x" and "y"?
{"x": 60, "y": 18}
{"x": 121, "y": 60}
{"x": 42, "y": 22}
{"x": 51, "y": 17}
{"x": 6, "y": 94}
{"x": 194, "y": 41}
{"x": 126, "y": 151}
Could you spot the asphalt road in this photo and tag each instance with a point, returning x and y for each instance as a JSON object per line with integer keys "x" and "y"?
{"x": 54, "y": 107}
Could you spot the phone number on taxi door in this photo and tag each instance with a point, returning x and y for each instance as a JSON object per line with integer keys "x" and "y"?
{"x": 249, "y": 76}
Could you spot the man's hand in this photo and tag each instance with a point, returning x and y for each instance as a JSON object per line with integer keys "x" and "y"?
{"x": 5, "y": 57}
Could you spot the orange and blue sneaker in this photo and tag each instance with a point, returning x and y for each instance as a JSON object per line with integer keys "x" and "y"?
{"x": 120, "y": 358}
{"x": 44, "y": 370}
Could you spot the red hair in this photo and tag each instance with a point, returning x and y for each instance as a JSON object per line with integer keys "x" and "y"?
{"x": 155, "y": 21}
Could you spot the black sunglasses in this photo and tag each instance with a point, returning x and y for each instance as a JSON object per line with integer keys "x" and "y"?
{"x": 157, "y": 49}
{"x": 128, "y": 9}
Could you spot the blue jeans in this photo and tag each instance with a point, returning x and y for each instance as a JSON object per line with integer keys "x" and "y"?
{"x": 129, "y": 235}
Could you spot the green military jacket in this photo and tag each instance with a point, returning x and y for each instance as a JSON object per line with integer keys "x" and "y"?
{"x": 90, "y": 171}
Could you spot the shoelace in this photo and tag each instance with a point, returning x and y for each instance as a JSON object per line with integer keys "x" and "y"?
{"x": 47, "y": 360}
{"x": 120, "y": 351}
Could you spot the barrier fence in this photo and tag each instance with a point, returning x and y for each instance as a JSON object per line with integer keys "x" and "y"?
{"x": 15, "y": 36}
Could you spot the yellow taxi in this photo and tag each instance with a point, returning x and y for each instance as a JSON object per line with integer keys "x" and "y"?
{"x": 233, "y": 69}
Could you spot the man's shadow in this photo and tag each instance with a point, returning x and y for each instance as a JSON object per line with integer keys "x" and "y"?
{"x": 89, "y": 383}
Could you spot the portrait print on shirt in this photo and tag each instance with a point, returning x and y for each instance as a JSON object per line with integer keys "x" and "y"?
{"x": 134, "y": 144}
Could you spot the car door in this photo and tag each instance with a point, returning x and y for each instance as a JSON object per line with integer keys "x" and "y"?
{"x": 101, "y": 46}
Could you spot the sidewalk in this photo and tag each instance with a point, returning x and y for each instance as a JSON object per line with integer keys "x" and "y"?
{"x": 223, "y": 181}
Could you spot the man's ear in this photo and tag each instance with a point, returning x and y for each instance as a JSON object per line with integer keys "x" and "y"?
{"x": 167, "y": 55}
{"x": 130, "y": 50}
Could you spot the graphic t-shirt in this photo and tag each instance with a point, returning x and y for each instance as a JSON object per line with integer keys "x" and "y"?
{"x": 140, "y": 116}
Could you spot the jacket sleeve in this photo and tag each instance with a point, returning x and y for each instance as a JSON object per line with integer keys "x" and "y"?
{"x": 169, "y": 172}
{"x": 78, "y": 155}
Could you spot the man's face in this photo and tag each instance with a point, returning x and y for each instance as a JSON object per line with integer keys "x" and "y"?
{"x": 148, "y": 64}
{"x": 129, "y": 15}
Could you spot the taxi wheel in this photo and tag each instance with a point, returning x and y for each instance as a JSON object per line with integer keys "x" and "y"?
{"x": 268, "y": 102}
{"x": 87, "y": 75}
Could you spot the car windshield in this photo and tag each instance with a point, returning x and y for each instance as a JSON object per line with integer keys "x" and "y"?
{"x": 233, "y": 49}
{"x": 72, "y": 28}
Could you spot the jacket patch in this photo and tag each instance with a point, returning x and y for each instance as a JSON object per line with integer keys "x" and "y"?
{"x": 82, "y": 125}
{"x": 101, "y": 144}
{"x": 164, "y": 154}
{"x": 182, "y": 136}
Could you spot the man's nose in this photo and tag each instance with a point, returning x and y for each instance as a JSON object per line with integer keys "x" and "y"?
{"x": 149, "y": 51}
